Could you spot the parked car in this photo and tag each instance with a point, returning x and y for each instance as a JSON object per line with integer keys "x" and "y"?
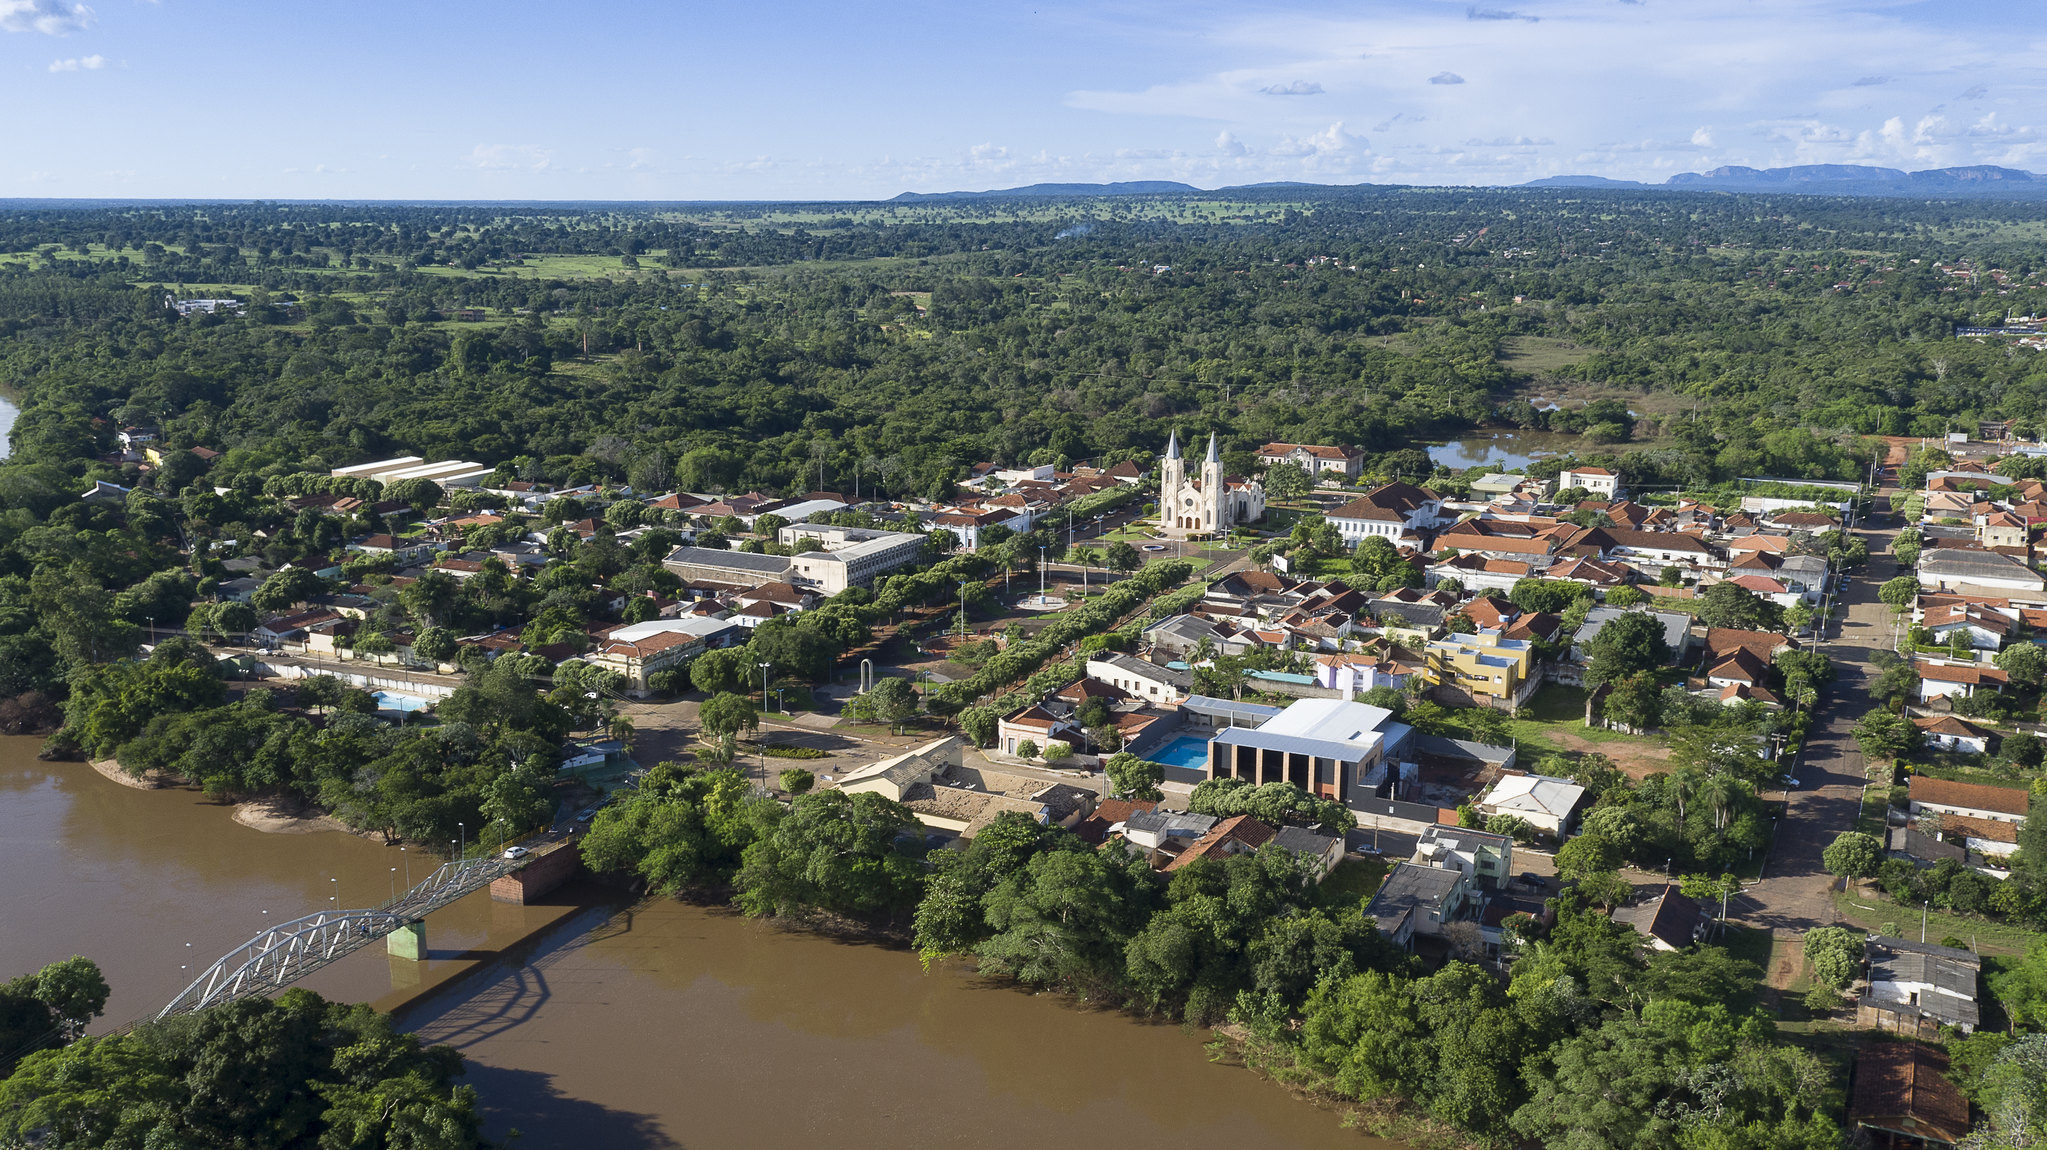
{"x": 516, "y": 852}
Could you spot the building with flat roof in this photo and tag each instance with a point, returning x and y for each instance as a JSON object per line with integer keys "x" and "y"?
{"x": 1915, "y": 988}
{"x": 843, "y": 557}
{"x": 1417, "y": 900}
{"x": 734, "y": 568}
{"x": 1326, "y": 747}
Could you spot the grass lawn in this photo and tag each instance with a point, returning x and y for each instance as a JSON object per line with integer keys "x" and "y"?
{"x": 1875, "y": 801}
{"x": 1534, "y": 353}
{"x": 1353, "y": 879}
{"x": 1750, "y": 944}
{"x": 1869, "y": 910}
{"x": 1557, "y": 709}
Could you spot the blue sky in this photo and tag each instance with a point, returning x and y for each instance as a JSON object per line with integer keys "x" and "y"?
{"x": 444, "y": 99}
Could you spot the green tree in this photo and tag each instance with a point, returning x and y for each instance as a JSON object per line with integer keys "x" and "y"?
{"x": 1883, "y": 735}
{"x": 1833, "y": 954}
{"x": 892, "y": 701}
{"x": 1121, "y": 558}
{"x": 797, "y": 781}
{"x": 1284, "y": 481}
{"x": 1626, "y": 646}
{"x": 858, "y": 855}
{"x": 1853, "y": 854}
{"x": 1587, "y": 854}
{"x": 2025, "y": 663}
{"x": 1899, "y": 593}
{"x": 1133, "y": 778}
{"x": 728, "y": 714}
{"x": 1731, "y": 605}
{"x": 980, "y": 725}
{"x": 283, "y": 589}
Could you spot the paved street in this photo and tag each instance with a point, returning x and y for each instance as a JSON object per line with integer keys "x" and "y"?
{"x": 1794, "y": 893}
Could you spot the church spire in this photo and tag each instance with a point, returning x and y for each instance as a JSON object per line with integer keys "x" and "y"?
{"x": 1213, "y": 455}
{"x": 1173, "y": 445}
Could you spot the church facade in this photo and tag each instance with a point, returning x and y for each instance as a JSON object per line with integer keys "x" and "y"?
{"x": 1208, "y": 503}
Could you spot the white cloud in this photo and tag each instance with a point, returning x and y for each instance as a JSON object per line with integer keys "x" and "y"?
{"x": 1228, "y": 144}
{"x": 509, "y": 157}
{"x": 79, "y": 64}
{"x": 50, "y": 17}
{"x": 1703, "y": 137}
{"x": 1446, "y": 78}
{"x": 1297, "y": 88}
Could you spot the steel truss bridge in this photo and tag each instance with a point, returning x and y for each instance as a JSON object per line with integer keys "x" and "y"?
{"x": 287, "y": 952}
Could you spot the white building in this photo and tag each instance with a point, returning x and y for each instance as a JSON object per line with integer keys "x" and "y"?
{"x": 1600, "y": 482}
{"x": 1395, "y": 511}
{"x": 1139, "y": 678}
{"x": 1545, "y": 803}
{"x": 846, "y": 556}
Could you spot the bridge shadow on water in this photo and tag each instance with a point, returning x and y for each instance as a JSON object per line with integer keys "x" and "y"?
{"x": 529, "y": 1102}
{"x": 508, "y": 989}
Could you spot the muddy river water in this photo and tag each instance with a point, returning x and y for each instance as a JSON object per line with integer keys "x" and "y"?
{"x": 597, "y": 1022}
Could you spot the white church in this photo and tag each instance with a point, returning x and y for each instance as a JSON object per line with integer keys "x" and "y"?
{"x": 1208, "y": 505}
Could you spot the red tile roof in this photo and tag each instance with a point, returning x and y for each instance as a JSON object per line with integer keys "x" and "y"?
{"x": 1975, "y": 796}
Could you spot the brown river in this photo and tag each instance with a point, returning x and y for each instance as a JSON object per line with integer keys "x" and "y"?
{"x": 600, "y": 1023}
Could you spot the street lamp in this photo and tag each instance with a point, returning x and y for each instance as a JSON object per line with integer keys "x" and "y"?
{"x": 764, "y": 685}
{"x": 1041, "y": 575}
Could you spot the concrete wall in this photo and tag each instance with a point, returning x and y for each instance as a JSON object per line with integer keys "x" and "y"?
{"x": 547, "y": 870}
{"x": 368, "y": 680}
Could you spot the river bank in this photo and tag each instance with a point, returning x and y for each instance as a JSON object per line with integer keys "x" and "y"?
{"x": 592, "y": 1019}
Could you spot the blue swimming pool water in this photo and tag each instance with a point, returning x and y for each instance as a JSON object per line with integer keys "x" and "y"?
{"x": 1187, "y": 752}
{"x": 403, "y": 704}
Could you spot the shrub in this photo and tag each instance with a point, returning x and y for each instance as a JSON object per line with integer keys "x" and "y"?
{"x": 1028, "y": 749}
{"x": 796, "y": 780}
{"x": 1057, "y": 750}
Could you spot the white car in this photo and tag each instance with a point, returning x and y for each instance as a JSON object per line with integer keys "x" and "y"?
{"x": 516, "y": 852}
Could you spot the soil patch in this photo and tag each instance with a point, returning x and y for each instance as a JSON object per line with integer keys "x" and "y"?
{"x": 147, "y": 781}
{"x": 278, "y": 817}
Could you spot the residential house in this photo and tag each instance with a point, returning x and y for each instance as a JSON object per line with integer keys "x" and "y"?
{"x": 1903, "y": 1100}
{"x": 1667, "y": 921}
{"x": 404, "y": 552}
{"x": 1938, "y": 678}
{"x": 1238, "y": 834}
{"x": 1602, "y": 483}
{"x": 1321, "y": 852}
{"x": 1476, "y": 572}
{"x": 1985, "y": 629}
{"x": 1037, "y": 726}
{"x": 1970, "y": 800}
{"x": 1110, "y": 817}
{"x": 1419, "y": 901}
{"x": 1351, "y": 675}
{"x": 1493, "y": 671}
{"x": 1915, "y": 988}
{"x": 1141, "y": 679}
{"x": 1485, "y": 859}
{"x": 1159, "y": 836}
{"x": 2003, "y": 529}
{"x": 1546, "y": 803}
{"x": 1740, "y": 667}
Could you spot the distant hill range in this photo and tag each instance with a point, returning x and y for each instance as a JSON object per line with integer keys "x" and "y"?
{"x": 1835, "y": 180}
{"x": 1979, "y": 180}
{"x": 1127, "y": 188}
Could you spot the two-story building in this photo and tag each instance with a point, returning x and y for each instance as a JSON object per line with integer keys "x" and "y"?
{"x": 1494, "y": 671}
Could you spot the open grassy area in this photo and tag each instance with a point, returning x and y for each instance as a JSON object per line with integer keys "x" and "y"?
{"x": 1535, "y": 353}
{"x": 1353, "y": 879}
{"x": 1870, "y": 909}
{"x": 1553, "y": 722}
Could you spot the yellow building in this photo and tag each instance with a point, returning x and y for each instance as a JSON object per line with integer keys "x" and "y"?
{"x": 1493, "y": 671}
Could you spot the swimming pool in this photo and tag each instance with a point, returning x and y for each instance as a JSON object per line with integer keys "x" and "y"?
{"x": 403, "y": 704}
{"x": 1188, "y": 752}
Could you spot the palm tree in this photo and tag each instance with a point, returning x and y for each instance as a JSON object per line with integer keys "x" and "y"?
{"x": 621, "y": 728}
{"x": 1685, "y": 782}
{"x": 1722, "y": 791}
{"x": 1204, "y": 649}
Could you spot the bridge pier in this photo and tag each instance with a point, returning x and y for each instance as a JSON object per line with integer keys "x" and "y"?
{"x": 408, "y": 941}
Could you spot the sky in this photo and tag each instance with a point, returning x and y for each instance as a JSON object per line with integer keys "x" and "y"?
{"x": 698, "y": 100}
